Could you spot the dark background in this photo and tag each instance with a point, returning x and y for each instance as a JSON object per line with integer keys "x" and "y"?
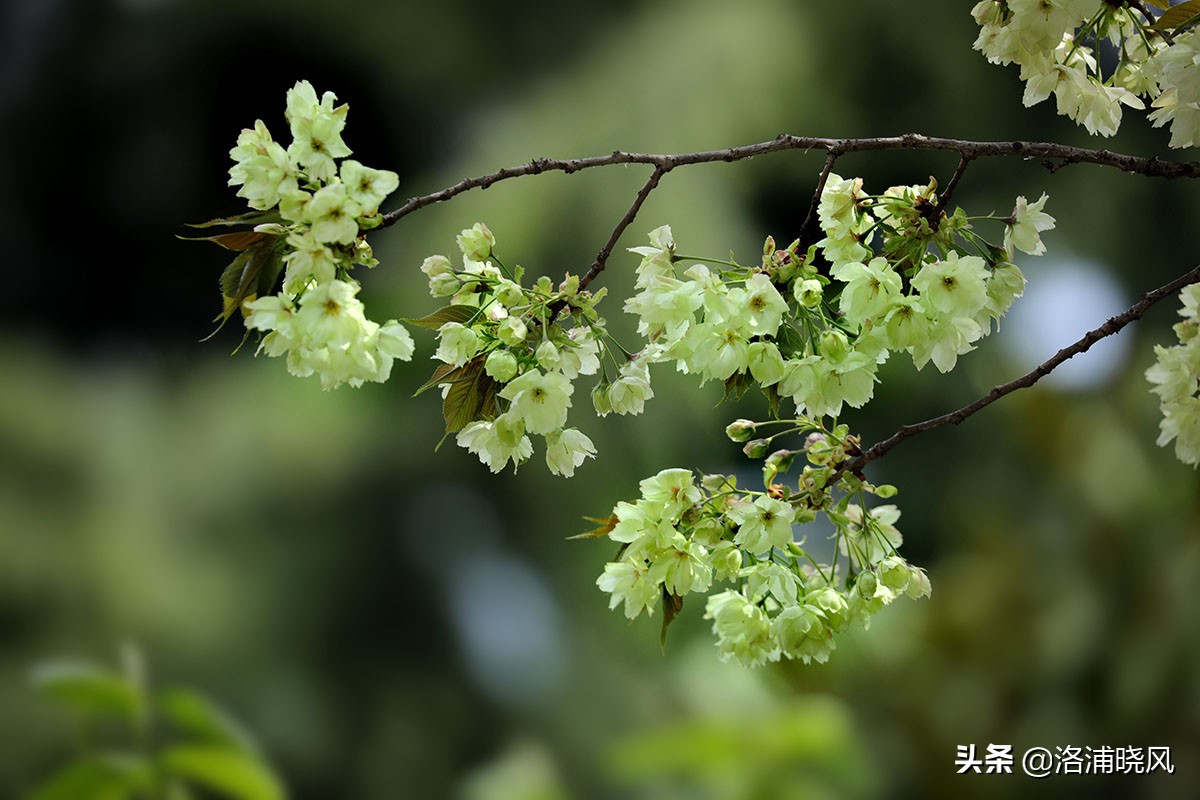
{"x": 393, "y": 622}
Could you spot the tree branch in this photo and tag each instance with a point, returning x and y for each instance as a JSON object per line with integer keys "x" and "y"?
{"x": 602, "y": 257}
{"x": 808, "y": 231}
{"x": 1056, "y": 156}
{"x": 963, "y": 163}
{"x": 1109, "y": 328}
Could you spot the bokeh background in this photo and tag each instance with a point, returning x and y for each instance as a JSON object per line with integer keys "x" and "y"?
{"x": 395, "y": 623}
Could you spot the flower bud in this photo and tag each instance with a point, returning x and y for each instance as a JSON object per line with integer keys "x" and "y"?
{"x": 894, "y": 573}
{"x": 835, "y": 346}
{"x": 501, "y": 366}
{"x": 444, "y": 284}
{"x": 601, "y": 401}
{"x": 740, "y": 430}
{"x": 808, "y": 293}
{"x": 509, "y": 293}
{"x": 436, "y": 265}
{"x": 718, "y": 483}
{"x": 727, "y": 562}
{"x": 547, "y": 355}
{"x": 918, "y": 584}
{"x": 756, "y": 448}
{"x": 781, "y": 460}
{"x": 476, "y": 242}
{"x": 1186, "y": 330}
{"x": 866, "y": 584}
{"x": 512, "y": 331}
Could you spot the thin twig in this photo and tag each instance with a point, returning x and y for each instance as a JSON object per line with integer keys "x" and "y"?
{"x": 1150, "y": 20}
{"x": 809, "y": 228}
{"x": 1109, "y": 328}
{"x": 963, "y": 162}
{"x": 602, "y": 257}
{"x": 1056, "y": 156}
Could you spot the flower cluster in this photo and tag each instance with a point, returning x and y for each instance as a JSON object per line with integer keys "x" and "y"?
{"x": 318, "y": 210}
{"x": 510, "y": 354}
{"x": 932, "y": 291}
{"x": 899, "y": 274}
{"x": 1054, "y": 42}
{"x": 1173, "y": 70}
{"x": 1175, "y": 380}
{"x": 682, "y": 536}
{"x": 327, "y": 333}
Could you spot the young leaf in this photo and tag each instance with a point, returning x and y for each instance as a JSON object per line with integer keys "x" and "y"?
{"x": 1180, "y": 16}
{"x": 445, "y": 373}
{"x": 236, "y": 241}
{"x": 774, "y": 399}
{"x": 459, "y": 314}
{"x": 88, "y": 689}
{"x": 736, "y": 386}
{"x": 606, "y": 525}
{"x": 465, "y": 399}
{"x": 487, "y": 402}
{"x": 252, "y": 274}
{"x": 672, "y": 605}
{"x": 230, "y": 773}
{"x": 789, "y": 340}
{"x": 197, "y": 716}
{"x": 249, "y": 218}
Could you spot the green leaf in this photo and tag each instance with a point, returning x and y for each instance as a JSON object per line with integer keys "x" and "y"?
{"x": 230, "y": 773}
{"x": 789, "y": 340}
{"x": 236, "y": 241}
{"x": 249, "y": 218}
{"x": 466, "y": 398}
{"x": 1163, "y": 4}
{"x": 1177, "y": 17}
{"x": 605, "y": 526}
{"x": 487, "y": 403}
{"x": 88, "y": 689}
{"x": 672, "y": 605}
{"x": 774, "y": 399}
{"x": 445, "y": 373}
{"x": 106, "y": 777}
{"x": 252, "y": 274}
{"x": 736, "y": 386}
{"x": 197, "y": 716}
{"x": 460, "y": 314}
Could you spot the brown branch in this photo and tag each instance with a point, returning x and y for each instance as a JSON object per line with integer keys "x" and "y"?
{"x": 1109, "y": 328}
{"x": 808, "y": 231}
{"x": 1150, "y": 20}
{"x": 1056, "y": 156}
{"x": 602, "y": 257}
{"x": 963, "y": 163}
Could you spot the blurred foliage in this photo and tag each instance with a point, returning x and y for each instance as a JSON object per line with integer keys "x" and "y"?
{"x": 126, "y": 753}
{"x": 383, "y": 617}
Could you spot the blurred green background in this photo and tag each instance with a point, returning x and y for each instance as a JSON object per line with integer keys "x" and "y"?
{"x": 394, "y": 623}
